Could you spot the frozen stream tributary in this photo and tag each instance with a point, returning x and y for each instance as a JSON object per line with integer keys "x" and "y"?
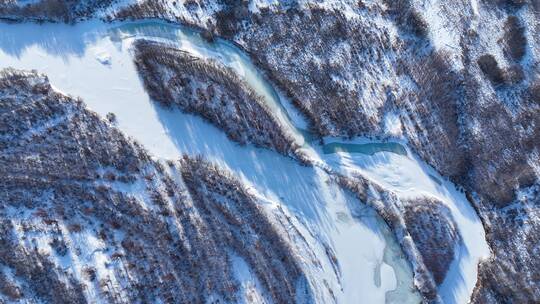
{"x": 93, "y": 60}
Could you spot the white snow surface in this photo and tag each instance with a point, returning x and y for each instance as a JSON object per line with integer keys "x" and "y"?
{"x": 371, "y": 266}
{"x": 409, "y": 177}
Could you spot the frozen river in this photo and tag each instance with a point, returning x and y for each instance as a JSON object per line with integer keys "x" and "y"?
{"x": 93, "y": 60}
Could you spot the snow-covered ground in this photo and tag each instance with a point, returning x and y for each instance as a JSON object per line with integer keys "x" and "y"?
{"x": 409, "y": 177}
{"x": 93, "y": 60}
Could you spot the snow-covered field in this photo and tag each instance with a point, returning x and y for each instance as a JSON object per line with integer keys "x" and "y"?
{"x": 93, "y": 60}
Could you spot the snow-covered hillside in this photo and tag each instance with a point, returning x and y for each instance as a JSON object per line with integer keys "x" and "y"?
{"x": 411, "y": 118}
{"x": 88, "y": 216}
{"x": 320, "y": 208}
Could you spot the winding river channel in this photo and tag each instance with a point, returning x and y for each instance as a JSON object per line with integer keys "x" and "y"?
{"x": 94, "y": 60}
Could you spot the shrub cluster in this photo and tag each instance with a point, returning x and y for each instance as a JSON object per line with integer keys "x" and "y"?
{"x": 196, "y": 85}
{"x": 515, "y": 42}
{"x": 489, "y": 66}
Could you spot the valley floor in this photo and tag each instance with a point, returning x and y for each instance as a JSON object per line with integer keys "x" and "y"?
{"x": 93, "y": 60}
